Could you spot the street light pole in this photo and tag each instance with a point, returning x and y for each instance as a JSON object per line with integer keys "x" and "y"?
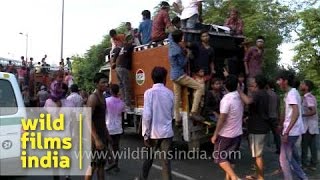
{"x": 62, "y": 21}
{"x": 27, "y": 39}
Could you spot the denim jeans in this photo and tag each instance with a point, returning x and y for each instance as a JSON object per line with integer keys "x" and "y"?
{"x": 309, "y": 141}
{"x": 189, "y": 23}
{"x": 288, "y": 161}
{"x": 164, "y": 145}
{"x": 124, "y": 84}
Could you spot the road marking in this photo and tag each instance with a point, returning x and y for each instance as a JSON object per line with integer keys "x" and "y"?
{"x": 175, "y": 173}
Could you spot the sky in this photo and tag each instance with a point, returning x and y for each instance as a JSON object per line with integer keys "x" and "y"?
{"x": 85, "y": 24}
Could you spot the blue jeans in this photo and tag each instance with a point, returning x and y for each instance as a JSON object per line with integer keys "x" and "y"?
{"x": 189, "y": 23}
{"x": 288, "y": 161}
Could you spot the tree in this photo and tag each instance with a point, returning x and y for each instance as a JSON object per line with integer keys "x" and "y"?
{"x": 308, "y": 50}
{"x": 268, "y": 18}
{"x": 86, "y": 66}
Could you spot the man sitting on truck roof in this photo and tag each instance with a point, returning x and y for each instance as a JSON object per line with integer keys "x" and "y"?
{"x": 234, "y": 22}
{"x": 178, "y": 62}
{"x": 161, "y": 22}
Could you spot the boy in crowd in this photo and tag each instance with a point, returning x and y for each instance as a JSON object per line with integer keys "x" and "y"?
{"x": 227, "y": 136}
{"x": 310, "y": 118}
{"x": 292, "y": 126}
{"x": 114, "y": 109}
{"x": 213, "y": 98}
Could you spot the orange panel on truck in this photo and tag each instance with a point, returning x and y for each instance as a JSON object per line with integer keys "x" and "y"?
{"x": 142, "y": 64}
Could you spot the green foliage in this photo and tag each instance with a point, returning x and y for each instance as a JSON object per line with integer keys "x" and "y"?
{"x": 308, "y": 49}
{"x": 268, "y": 18}
{"x": 84, "y": 67}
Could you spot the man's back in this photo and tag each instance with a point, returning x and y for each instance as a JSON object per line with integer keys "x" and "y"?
{"x": 158, "y": 107}
{"x": 145, "y": 28}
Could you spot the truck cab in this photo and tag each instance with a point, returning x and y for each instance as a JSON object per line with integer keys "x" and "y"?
{"x": 228, "y": 54}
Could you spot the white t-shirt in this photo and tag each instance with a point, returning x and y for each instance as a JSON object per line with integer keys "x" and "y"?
{"x": 231, "y": 105}
{"x": 293, "y": 97}
{"x": 190, "y": 7}
{"x": 114, "y": 109}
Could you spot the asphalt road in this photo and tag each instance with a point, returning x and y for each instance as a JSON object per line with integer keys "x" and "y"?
{"x": 186, "y": 169}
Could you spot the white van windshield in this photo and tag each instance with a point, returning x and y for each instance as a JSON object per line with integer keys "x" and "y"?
{"x": 7, "y": 98}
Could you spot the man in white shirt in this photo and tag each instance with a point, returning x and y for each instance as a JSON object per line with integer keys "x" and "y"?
{"x": 292, "y": 127}
{"x": 191, "y": 12}
{"x": 157, "y": 123}
{"x": 75, "y": 97}
{"x": 227, "y": 135}
{"x": 310, "y": 118}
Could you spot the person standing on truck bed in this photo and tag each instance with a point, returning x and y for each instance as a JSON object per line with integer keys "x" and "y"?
{"x": 178, "y": 62}
{"x": 157, "y": 123}
{"x": 253, "y": 58}
{"x": 191, "y": 14}
{"x": 161, "y": 22}
{"x": 123, "y": 60}
{"x": 145, "y": 27}
{"x": 203, "y": 54}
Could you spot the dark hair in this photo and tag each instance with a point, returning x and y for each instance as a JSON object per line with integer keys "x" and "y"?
{"x": 175, "y": 20}
{"x": 112, "y": 33}
{"x": 146, "y": 14}
{"x": 164, "y": 5}
{"x": 159, "y": 74}
{"x": 216, "y": 79}
{"x": 260, "y": 37}
{"x": 261, "y": 81}
{"x": 309, "y": 84}
{"x": 114, "y": 89}
{"x": 241, "y": 75}
{"x": 22, "y": 57}
{"x": 65, "y": 88}
{"x": 128, "y": 23}
{"x": 272, "y": 84}
{"x": 74, "y": 88}
{"x": 197, "y": 69}
{"x": 203, "y": 31}
{"x": 177, "y": 36}
{"x": 98, "y": 77}
{"x": 231, "y": 83}
{"x": 287, "y": 75}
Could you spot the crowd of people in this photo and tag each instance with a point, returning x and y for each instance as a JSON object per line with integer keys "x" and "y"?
{"x": 246, "y": 100}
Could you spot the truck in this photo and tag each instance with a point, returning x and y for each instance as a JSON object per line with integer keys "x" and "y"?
{"x": 228, "y": 54}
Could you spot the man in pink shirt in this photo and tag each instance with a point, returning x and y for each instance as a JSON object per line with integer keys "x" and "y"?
{"x": 227, "y": 136}
{"x": 310, "y": 118}
{"x": 254, "y": 58}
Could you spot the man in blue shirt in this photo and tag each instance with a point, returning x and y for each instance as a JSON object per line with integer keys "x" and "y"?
{"x": 178, "y": 62}
{"x": 145, "y": 27}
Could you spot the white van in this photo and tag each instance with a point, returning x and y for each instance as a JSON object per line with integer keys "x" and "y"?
{"x": 12, "y": 109}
